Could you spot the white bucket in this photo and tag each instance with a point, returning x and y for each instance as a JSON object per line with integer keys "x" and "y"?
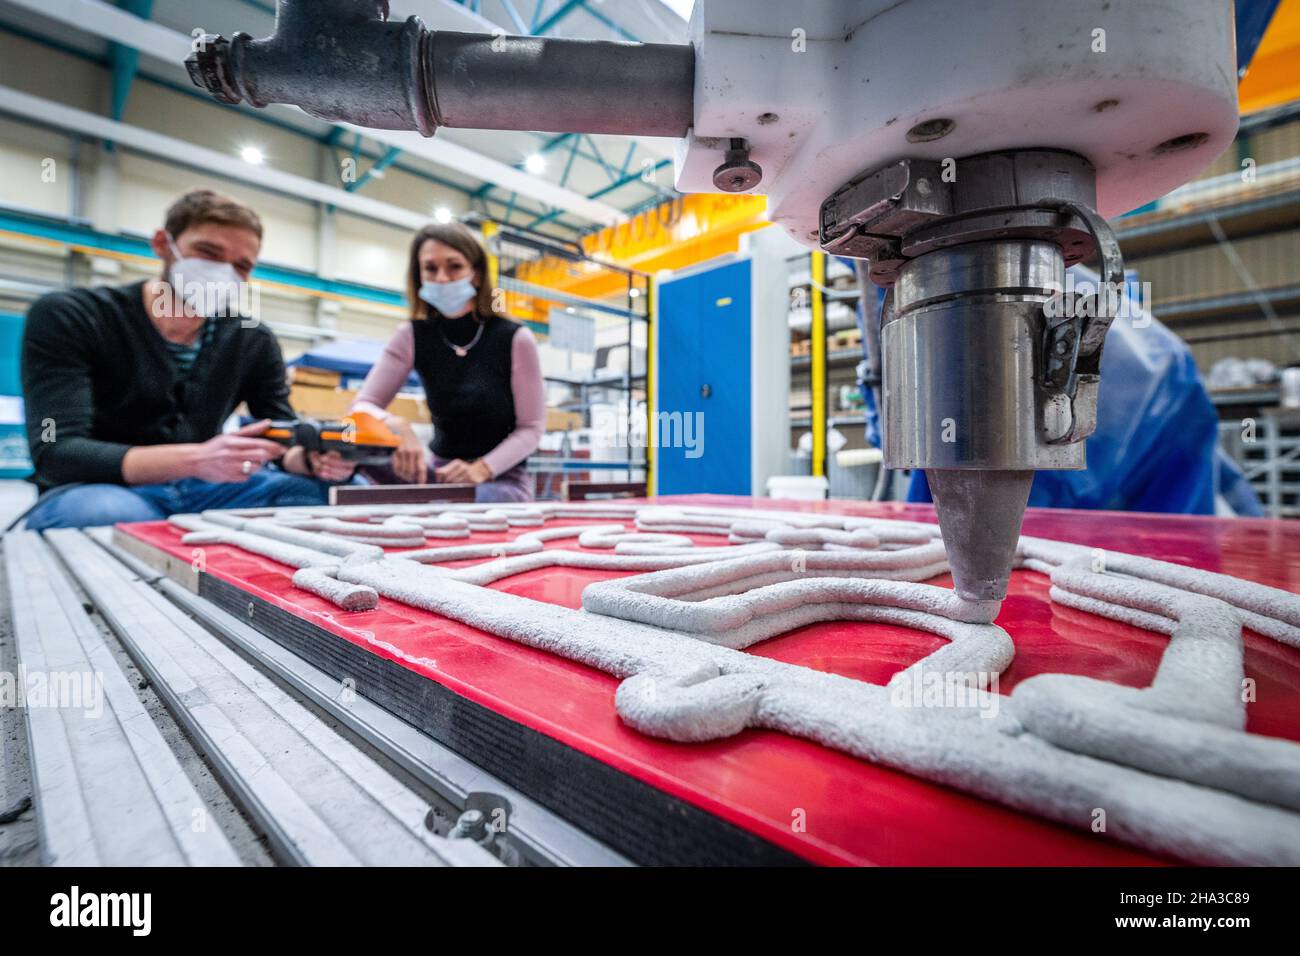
{"x": 798, "y": 487}
{"x": 1290, "y": 397}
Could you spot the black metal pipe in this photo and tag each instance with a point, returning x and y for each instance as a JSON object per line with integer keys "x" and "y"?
{"x": 344, "y": 61}
{"x": 559, "y": 85}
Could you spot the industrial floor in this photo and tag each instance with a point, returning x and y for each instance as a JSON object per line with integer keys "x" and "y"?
{"x": 18, "y": 843}
{"x": 15, "y": 498}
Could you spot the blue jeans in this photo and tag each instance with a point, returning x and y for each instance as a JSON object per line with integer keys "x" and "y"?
{"x": 85, "y": 506}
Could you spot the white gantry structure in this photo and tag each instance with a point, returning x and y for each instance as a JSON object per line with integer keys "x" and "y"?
{"x": 1170, "y": 766}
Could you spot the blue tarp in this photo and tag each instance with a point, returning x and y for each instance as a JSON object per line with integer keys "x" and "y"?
{"x": 353, "y": 359}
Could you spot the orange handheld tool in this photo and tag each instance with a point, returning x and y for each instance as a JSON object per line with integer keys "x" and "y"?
{"x": 360, "y": 437}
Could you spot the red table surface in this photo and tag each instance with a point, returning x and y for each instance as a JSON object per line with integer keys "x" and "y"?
{"x": 852, "y": 812}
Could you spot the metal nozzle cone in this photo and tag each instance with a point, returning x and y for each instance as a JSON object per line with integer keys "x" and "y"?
{"x": 980, "y": 514}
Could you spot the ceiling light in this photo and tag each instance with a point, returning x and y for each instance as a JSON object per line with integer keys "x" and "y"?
{"x": 442, "y": 214}
{"x": 252, "y": 155}
{"x": 535, "y": 164}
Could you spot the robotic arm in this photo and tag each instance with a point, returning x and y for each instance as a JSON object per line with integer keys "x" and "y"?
{"x": 968, "y": 151}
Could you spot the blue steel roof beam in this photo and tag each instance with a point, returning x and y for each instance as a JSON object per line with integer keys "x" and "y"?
{"x": 409, "y": 170}
{"x": 356, "y": 150}
{"x": 609, "y": 170}
{"x": 124, "y": 61}
{"x": 550, "y": 144}
{"x": 487, "y": 198}
{"x": 631, "y": 178}
{"x": 125, "y": 64}
{"x": 496, "y": 210}
{"x": 605, "y": 190}
{"x": 618, "y": 178}
{"x": 376, "y": 169}
{"x": 568, "y": 166}
{"x": 603, "y": 18}
{"x": 540, "y": 26}
{"x": 554, "y": 142}
{"x": 565, "y": 8}
{"x": 515, "y": 18}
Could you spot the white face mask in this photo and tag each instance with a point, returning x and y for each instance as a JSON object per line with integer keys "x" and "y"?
{"x": 208, "y": 287}
{"x": 449, "y": 298}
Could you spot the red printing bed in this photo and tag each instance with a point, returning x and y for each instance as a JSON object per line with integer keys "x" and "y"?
{"x": 813, "y": 803}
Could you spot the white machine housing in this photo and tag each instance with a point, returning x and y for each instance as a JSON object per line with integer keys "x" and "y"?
{"x": 825, "y": 91}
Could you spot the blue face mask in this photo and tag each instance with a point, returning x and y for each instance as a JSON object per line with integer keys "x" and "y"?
{"x": 449, "y": 298}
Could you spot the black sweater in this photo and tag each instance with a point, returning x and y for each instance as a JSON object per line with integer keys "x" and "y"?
{"x": 97, "y": 380}
{"x": 470, "y": 399}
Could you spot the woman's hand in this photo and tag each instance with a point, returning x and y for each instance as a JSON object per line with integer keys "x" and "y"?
{"x": 327, "y": 466}
{"x": 330, "y": 466}
{"x": 464, "y": 472}
{"x": 408, "y": 461}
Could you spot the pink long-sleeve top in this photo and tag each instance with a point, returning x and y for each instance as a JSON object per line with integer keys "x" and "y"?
{"x": 526, "y": 385}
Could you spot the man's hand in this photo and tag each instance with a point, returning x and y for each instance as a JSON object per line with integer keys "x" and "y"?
{"x": 408, "y": 461}
{"x": 464, "y": 472}
{"x": 235, "y": 456}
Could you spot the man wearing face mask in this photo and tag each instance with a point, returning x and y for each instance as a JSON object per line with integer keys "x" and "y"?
{"x": 127, "y": 387}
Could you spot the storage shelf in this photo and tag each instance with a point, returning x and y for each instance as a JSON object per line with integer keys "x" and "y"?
{"x": 834, "y": 421}
{"x": 834, "y": 359}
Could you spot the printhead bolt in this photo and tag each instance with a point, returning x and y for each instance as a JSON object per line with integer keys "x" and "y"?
{"x": 737, "y": 172}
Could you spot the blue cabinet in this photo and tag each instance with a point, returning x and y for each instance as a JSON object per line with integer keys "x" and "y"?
{"x": 704, "y": 415}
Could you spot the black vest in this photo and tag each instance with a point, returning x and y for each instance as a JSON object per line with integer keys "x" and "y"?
{"x": 470, "y": 399}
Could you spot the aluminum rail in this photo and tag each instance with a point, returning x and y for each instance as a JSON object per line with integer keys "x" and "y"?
{"x": 542, "y": 837}
{"x": 107, "y": 788}
{"x": 318, "y": 798}
{"x": 345, "y": 61}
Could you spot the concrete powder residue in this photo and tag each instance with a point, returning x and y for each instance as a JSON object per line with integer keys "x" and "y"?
{"x": 1171, "y": 764}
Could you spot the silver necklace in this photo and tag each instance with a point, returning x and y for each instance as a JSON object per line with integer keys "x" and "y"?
{"x": 461, "y": 350}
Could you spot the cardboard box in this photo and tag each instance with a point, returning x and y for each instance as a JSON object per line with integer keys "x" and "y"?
{"x": 311, "y": 401}
{"x": 848, "y": 339}
{"x": 322, "y": 378}
{"x": 562, "y": 421}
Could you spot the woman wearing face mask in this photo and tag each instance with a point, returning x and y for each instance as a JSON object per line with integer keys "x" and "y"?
{"x": 481, "y": 373}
